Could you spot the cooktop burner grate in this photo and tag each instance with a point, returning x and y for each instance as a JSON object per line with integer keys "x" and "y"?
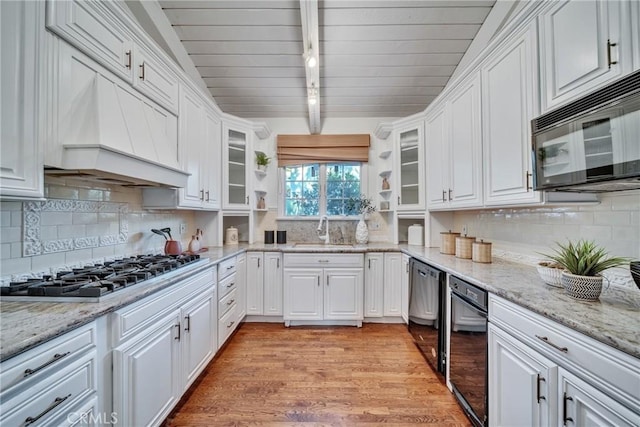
{"x": 100, "y": 279}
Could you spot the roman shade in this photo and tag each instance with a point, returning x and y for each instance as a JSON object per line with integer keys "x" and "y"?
{"x": 299, "y": 149}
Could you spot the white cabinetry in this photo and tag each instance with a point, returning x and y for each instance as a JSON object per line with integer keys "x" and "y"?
{"x": 264, "y": 283}
{"x": 404, "y": 291}
{"x": 323, "y": 287}
{"x": 409, "y": 166}
{"x": 161, "y": 344}
{"x": 393, "y": 284}
{"x": 235, "y": 171}
{"x": 508, "y": 78}
{"x": 21, "y": 161}
{"x": 583, "y": 45}
{"x": 232, "y": 306}
{"x": 374, "y": 284}
{"x": 53, "y": 383}
{"x": 454, "y": 154}
{"x": 542, "y": 373}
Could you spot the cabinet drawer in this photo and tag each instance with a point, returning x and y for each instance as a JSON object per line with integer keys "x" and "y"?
{"x": 50, "y": 400}
{"x": 226, "y": 285}
{"x": 613, "y": 371}
{"x": 49, "y": 357}
{"x": 324, "y": 260}
{"x": 227, "y": 324}
{"x": 130, "y": 320}
{"x": 227, "y": 302}
{"x": 226, "y": 268}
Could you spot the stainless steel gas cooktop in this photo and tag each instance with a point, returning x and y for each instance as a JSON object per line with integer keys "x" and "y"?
{"x": 92, "y": 282}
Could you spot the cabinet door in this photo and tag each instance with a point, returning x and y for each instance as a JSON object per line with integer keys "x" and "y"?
{"x": 272, "y": 284}
{"x": 411, "y": 167}
{"x": 507, "y": 87}
{"x": 146, "y": 374}
{"x": 343, "y": 295}
{"x": 210, "y": 161}
{"x": 21, "y": 157}
{"x": 581, "y": 404}
{"x": 392, "y": 284}
{"x": 437, "y": 159}
{"x": 404, "y": 288}
{"x": 92, "y": 28}
{"x": 198, "y": 329}
{"x": 522, "y": 383}
{"x": 191, "y": 141}
{"x": 303, "y": 294}
{"x": 583, "y": 44}
{"x": 155, "y": 79}
{"x": 465, "y": 156}
{"x": 236, "y": 193}
{"x": 241, "y": 283}
{"x": 374, "y": 285}
{"x": 255, "y": 283}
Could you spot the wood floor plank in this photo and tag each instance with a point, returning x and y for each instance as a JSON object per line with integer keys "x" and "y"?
{"x": 269, "y": 375}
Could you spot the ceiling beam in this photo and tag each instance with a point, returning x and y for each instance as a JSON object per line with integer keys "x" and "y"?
{"x": 310, "y": 38}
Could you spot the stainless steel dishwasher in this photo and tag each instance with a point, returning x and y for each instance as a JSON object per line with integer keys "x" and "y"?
{"x": 426, "y": 313}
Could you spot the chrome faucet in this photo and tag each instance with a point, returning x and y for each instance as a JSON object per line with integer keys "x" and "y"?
{"x": 325, "y": 236}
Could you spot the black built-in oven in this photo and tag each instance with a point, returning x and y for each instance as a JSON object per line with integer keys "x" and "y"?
{"x": 468, "y": 348}
{"x": 426, "y": 313}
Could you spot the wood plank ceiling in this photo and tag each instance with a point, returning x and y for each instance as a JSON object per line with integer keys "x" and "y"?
{"x": 377, "y": 58}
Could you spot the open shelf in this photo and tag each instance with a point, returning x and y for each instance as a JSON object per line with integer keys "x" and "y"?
{"x": 385, "y": 192}
{"x": 385, "y": 154}
{"x": 260, "y": 173}
{"x": 385, "y": 173}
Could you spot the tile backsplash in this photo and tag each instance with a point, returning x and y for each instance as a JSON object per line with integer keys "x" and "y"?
{"x": 80, "y": 223}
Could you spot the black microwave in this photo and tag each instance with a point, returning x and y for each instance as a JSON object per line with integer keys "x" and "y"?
{"x": 591, "y": 144}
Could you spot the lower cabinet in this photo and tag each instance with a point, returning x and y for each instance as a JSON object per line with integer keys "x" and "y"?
{"x": 542, "y": 374}
{"x": 334, "y": 292}
{"x": 161, "y": 344}
{"x": 374, "y": 284}
{"x": 264, "y": 283}
{"x": 393, "y": 283}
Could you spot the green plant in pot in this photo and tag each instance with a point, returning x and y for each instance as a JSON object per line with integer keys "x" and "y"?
{"x": 583, "y": 262}
{"x": 262, "y": 160}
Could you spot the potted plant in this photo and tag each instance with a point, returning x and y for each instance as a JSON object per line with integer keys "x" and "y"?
{"x": 262, "y": 160}
{"x": 583, "y": 262}
{"x": 362, "y": 205}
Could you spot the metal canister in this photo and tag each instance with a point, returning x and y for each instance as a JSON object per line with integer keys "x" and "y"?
{"x": 448, "y": 245}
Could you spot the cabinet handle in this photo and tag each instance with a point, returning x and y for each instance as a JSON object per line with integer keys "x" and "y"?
{"x": 187, "y": 319}
{"x": 406, "y": 268}
{"x": 56, "y": 357}
{"x": 538, "y": 397}
{"x": 318, "y": 280}
{"x": 231, "y": 301}
{"x": 526, "y": 177}
{"x": 201, "y": 195}
{"x": 230, "y": 284}
{"x": 128, "y": 54}
{"x": 327, "y": 280}
{"x": 277, "y": 262}
{"x": 609, "y": 46}
{"x": 142, "y": 71}
{"x": 369, "y": 263}
{"x": 557, "y": 347}
{"x": 247, "y": 200}
{"x": 398, "y": 200}
{"x": 230, "y": 267}
{"x": 450, "y": 190}
{"x": 230, "y": 324}
{"x": 177, "y": 327}
{"x": 323, "y": 260}
{"x": 57, "y": 402}
{"x": 444, "y": 196}
{"x": 565, "y": 398}
{"x": 258, "y": 262}
{"x": 207, "y": 193}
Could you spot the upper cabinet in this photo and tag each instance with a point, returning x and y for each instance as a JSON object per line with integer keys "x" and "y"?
{"x": 583, "y": 45}
{"x": 454, "y": 150}
{"x": 508, "y": 105}
{"x": 94, "y": 29}
{"x": 410, "y": 166}
{"x": 235, "y": 158}
{"x": 21, "y": 160}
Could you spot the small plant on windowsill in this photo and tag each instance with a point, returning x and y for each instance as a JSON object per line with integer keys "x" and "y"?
{"x": 362, "y": 205}
{"x": 262, "y": 160}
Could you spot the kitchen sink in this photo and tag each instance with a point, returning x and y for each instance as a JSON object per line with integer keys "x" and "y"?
{"x": 321, "y": 245}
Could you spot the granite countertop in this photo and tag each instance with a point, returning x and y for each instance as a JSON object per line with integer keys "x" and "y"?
{"x": 613, "y": 320}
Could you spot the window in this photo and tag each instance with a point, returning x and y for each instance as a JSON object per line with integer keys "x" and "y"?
{"x": 319, "y": 189}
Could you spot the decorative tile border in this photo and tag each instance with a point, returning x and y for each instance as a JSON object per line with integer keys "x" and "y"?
{"x": 34, "y": 245}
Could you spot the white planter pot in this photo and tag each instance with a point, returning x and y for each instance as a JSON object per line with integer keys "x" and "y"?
{"x": 586, "y": 288}
{"x": 362, "y": 232}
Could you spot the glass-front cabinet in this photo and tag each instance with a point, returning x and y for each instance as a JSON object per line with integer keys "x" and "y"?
{"x": 236, "y": 192}
{"x": 410, "y": 167}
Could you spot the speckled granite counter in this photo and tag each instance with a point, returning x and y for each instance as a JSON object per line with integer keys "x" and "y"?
{"x": 614, "y": 320}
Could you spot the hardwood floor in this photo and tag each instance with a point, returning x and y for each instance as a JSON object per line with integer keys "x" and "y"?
{"x": 343, "y": 376}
